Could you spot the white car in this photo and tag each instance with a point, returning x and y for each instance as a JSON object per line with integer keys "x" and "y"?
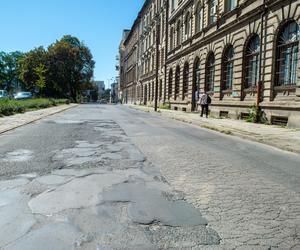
{"x": 23, "y": 95}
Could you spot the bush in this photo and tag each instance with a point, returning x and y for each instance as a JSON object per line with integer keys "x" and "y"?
{"x": 256, "y": 115}
{"x": 10, "y": 107}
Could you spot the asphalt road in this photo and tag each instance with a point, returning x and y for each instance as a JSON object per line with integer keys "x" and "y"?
{"x": 239, "y": 194}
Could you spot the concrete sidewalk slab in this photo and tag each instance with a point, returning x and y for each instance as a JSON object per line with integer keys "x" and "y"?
{"x": 8, "y": 123}
{"x": 280, "y": 137}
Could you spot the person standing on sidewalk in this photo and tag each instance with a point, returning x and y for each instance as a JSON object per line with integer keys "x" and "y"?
{"x": 205, "y": 100}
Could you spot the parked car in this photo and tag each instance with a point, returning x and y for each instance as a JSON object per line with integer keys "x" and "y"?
{"x": 4, "y": 94}
{"x": 23, "y": 95}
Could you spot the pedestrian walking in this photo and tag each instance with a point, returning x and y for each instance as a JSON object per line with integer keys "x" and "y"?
{"x": 205, "y": 100}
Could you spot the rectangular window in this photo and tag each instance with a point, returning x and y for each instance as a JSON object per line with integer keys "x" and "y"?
{"x": 230, "y": 5}
{"x": 213, "y": 11}
{"x": 288, "y": 66}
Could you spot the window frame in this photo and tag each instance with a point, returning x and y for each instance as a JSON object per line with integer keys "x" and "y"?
{"x": 177, "y": 83}
{"x": 210, "y": 72}
{"x": 185, "y": 81}
{"x": 228, "y": 68}
{"x": 170, "y": 84}
{"x": 199, "y": 18}
{"x": 251, "y": 61}
{"x": 293, "y": 56}
{"x": 212, "y": 17}
{"x": 230, "y": 5}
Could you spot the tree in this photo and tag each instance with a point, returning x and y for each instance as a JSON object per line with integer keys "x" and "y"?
{"x": 29, "y": 65}
{"x": 40, "y": 72}
{"x": 71, "y": 65}
{"x": 9, "y": 69}
{"x": 2, "y": 71}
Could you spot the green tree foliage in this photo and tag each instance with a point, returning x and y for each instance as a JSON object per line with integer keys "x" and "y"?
{"x": 60, "y": 71}
{"x": 28, "y": 66}
{"x": 2, "y": 71}
{"x": 40, "y": 72}
{"x": 9, "y": 70}
{"x": 90, "y": 92}
{"x": 70, "y": 65}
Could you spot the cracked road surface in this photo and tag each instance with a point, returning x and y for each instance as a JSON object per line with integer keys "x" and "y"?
{"x": 76, "y": 181}
{"x": 108, "y": 177}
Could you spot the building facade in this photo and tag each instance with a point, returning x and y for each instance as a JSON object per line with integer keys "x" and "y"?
{"x": 241, "y": 52}
{"x": 101, "y": 87}
{"x": 122, "y": 77}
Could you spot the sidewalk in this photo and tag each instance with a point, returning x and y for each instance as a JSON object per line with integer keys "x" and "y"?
{"x": 8, "y": 123}
{"x": 279, "y": 137}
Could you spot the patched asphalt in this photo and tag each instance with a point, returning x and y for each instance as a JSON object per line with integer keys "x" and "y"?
{"x": 77, "y": 181}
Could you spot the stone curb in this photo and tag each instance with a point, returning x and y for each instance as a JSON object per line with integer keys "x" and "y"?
{"x": 218, "y": 129}
{"x": 38, "y": 118}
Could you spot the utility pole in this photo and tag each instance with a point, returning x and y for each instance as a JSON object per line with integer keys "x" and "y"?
{"x": 259, "y": 86}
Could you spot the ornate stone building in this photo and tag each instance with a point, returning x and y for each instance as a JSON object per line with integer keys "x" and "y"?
{"x": 145, "y": 55}
{"x": 121, "y": 57}
{"x": 241, "y": 52}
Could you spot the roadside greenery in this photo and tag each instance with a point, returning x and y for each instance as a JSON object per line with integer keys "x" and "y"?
{"x": 10, "y": 107}
{"x": 63, "y": 70}
{"x": 165, "y": 106}
{"x": 256, "y": 115}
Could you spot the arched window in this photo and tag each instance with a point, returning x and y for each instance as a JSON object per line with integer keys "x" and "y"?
{"x": 252, "y": 62}
{"x": 210, "y": 72}
{"x": 228, "y": 60}
{"x": 187, "y": 26}
{"x": 178, "y": 32}
{"x": 185, "y": 85}
{"x": 170, "y": 84}
{"x": 287, "y": 54}
{"x": 177, "y": 82}
{"x": 199, "y": 18}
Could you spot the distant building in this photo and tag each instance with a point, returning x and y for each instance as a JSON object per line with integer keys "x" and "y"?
{"x": 122, "y": 73}
{"x": 101, "y": 87}
{"x": 114, "y": 93}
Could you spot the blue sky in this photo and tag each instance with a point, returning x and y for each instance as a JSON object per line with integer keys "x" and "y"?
{"x": 26, "y": 24}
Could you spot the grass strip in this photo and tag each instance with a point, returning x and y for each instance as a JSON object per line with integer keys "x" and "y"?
{"x": 11, "y": 107}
